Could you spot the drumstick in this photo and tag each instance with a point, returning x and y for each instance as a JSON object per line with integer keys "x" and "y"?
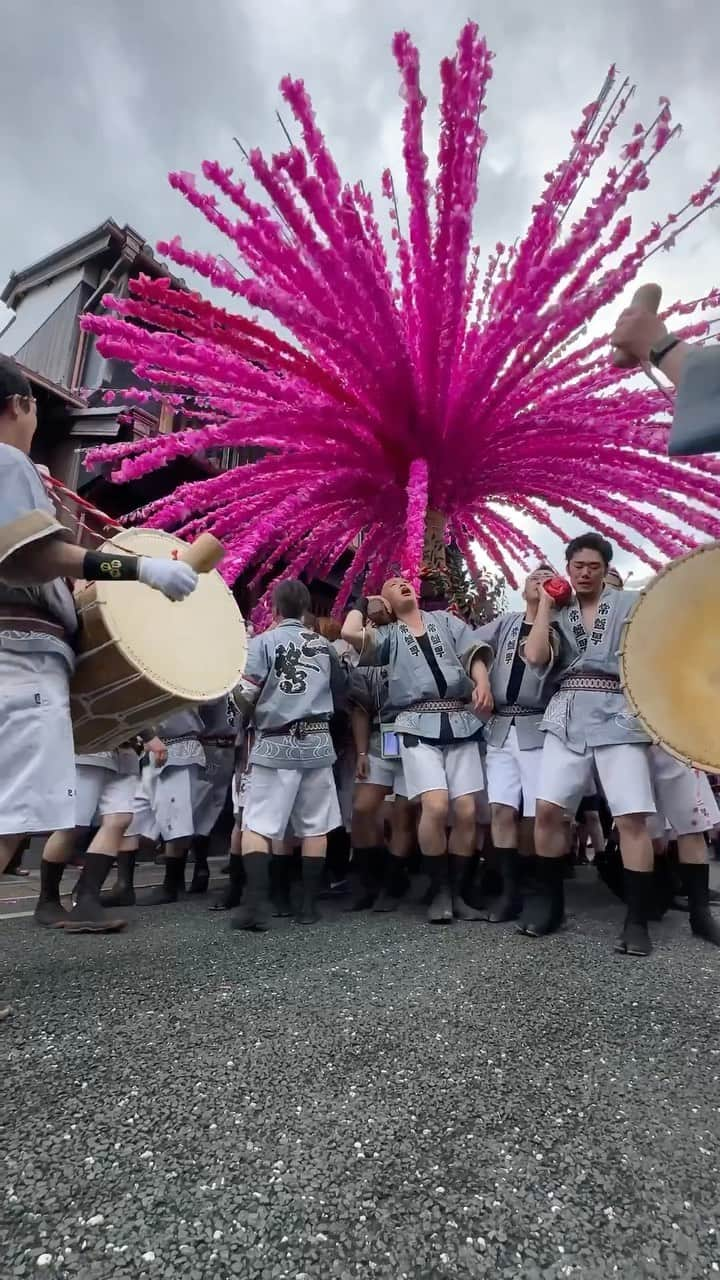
{"x": 646, "y": 298}
{"x": 204, "y": 554}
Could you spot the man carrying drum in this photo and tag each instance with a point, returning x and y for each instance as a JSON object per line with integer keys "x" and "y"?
{"x": 37, "y": 626}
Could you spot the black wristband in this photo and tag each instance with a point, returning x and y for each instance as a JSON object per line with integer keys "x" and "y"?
{"x": 663, "y": 349}
{"x": 106, "y": 566}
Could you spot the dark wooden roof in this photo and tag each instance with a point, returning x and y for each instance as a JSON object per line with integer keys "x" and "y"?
{"x": 125, "y": 241}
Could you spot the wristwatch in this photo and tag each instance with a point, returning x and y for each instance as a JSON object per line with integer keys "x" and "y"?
{"x": 663, "y": 348}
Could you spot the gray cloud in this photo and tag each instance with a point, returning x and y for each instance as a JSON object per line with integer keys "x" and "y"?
{"x": 107, "y": 97}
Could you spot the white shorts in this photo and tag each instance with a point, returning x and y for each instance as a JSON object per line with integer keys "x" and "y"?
{"x": 386, "y": 773}
{"x": 212, "y": 788}
{"x": 679, "y": 796}
{"x": 512, "y": 774}
{"x": 37, "y": 753}
{"x": 456, "y": 769}
{"x": 302, "y": 800}
{"x": 102, "y": 791}
{"x": 623, "y": 768}
{"x": 165, "y": 803}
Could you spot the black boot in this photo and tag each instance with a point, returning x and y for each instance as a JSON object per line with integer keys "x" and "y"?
{"x": 702, "y": 922}
{"x": 544, "y": 912}
{"x": 252, "y": 914}
{"x": 231, "y": 896}
{"x": 640, "y": 898}
{"x": 281, "y": 868}
{"x": 201, "y": 870}
{"x": 88, "y": 915}
{"x": 172, "y": 886}
{"x": 122, "y": 893}
{"x": 368, "y": 863}
{"x": 312, "y": 878}
{"x": 610, "y": 868}
{"x": 458, "y": 868}
{"x": 509, "y": 903}
{"x": 49, "y": 911}
{"x": 396, "y": 883}
{"x": 471, "y": 885}
{"x": 440, "y": 907}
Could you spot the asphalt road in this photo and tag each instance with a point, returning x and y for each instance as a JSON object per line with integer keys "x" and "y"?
{"x": 369, "y": 1098}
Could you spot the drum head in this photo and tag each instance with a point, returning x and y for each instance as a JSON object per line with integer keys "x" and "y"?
{"x": 670, "y": 662}
{"x": 195, "y": 648}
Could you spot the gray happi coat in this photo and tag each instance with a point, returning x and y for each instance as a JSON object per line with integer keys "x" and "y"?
{"x": 27, "y": 515}
{"x": 592, "y": 718}
{"x": 219, "y": 718}
{"x": 292, "y": 675}
{"x": 411, "y": 681}
{"x": 180, "y": 733}
{"x": 123, "y": 760}
{"x": 503, "y": 635}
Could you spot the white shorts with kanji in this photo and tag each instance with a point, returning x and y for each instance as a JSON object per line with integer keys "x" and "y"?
{"x": 37, "y": 753}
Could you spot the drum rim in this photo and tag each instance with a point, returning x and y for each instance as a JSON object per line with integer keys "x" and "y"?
{"x": 704, "y": 766}
{"x": 222, "y": 689}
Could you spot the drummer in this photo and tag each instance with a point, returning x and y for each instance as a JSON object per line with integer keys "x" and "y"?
{"x": 37, "y": 629}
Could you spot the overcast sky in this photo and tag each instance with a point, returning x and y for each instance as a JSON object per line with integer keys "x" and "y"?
{"x": 100, "y": 98}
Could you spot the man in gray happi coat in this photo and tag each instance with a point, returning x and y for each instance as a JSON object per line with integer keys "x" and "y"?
{"x": 292, "y": 683}
{"x": 588, "y": 722}
{"x": 514, "y": 741}
{"x": 37, "y": 632}
{"x": 437, "y": 681}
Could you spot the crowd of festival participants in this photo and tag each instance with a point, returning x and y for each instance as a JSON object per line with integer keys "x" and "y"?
{"x": 414, "y": 741}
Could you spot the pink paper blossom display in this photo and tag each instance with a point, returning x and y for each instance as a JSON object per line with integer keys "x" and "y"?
{"x": 389, "y": 382}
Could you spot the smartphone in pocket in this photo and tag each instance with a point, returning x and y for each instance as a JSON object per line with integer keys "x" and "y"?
{"x": 390, "y": 740}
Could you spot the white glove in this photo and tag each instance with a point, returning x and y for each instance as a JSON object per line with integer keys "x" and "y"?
{"x": 175, "y": 579}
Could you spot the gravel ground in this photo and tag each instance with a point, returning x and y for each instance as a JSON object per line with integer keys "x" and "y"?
{"x": 370, "y": 1098}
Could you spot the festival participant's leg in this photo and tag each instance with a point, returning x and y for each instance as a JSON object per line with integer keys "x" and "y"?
{"x": 15, "y": 866}
{"x": 89, "y": 915}
{"x": 122, "y": 894}
{"x": 465, "y": 781}
{"x": 58, "y": 849}
{"x": 402, "y": 836}
{"x": 269, "y": 802}
{"x": 505, "y": 792}
{"x": 425, "y": 778}
{"x": 212, "y": 795}
{"x": 624, "y": 773}
{"x": 562, "y": 778}
{"x": 315, "y": 812}
{"x": 231, "y": 896}
{"x": 689, "y": 807}
{"x": 173, "y": 799}
{"x": 368, "y": 856}
{"x": 280, "y": 876}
